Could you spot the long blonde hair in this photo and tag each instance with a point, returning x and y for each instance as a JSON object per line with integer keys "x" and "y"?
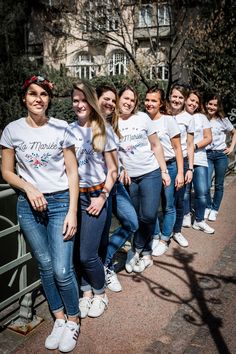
{"x": 98, "y": 123}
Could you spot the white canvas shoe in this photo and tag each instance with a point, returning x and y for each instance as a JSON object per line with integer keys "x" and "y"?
{"x": 112, "y": 281}
{"x": 203, "y": 226}
{"x": 69, "y": 337}
{"x": 187, "y": 220}
{"x": 182, "y": 241}
{"x": 132, "y": 258}
{"x": 52, "y": 341}
{"x": 213, "y": 215}
{"x": 207, "y": 212}
{"x": 98, "y": 306}
{"x": 160, "y": 249}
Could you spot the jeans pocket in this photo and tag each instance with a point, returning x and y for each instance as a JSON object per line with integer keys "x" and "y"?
{"x": 61, "y": 197}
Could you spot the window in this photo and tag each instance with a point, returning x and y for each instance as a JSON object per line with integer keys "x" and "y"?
{"x": 159, "y": 72}
{"x": 145, "y": 16}
{"x": 101, "y": 16}
{"x": 118, "y": 64}
{"x": 84, "y": 67}
{"x": 163, "y": 15}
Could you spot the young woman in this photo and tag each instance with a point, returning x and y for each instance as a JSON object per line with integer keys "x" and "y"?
{"x": 178, "y": 95}
{"x": 97, "y": 160}
{"x": 47, "y": 203}
{"x": 120, "y": 202}
{"x": 169, "y": 134}
{"x": 143, "y": 159}
{"x": 217, "y": 153}
{"x": 202, "y": 137}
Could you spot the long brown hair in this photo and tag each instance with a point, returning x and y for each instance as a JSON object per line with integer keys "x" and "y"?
{"x": 97, "y": 121}
{"x": 200, "y": 108}
{"x": 220, "y": 110}
{"x": 100, "y": 90}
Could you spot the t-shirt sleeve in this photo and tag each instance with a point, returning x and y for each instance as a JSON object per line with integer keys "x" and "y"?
{"x": 228, "y": 126}
{"x": 206, "y": 123}
{"x": 69, "y": 137}
{"x": 110, "y": 139}
{"x": 151, "y": 128}
{"x": 6, "y": 139}
{"x": 191, "y": 125}
{"x": 172, "y": 127}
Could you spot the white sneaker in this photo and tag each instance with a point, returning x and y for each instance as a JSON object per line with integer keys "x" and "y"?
{"x": 98, "y": 306}
{"x": 202, "y": 225}
{"x": 155, "y": 241}
{"x": 132, "y": 258}
{"x": 84, "y": 306}
{"x": 161, "y": 248}
{"x": 112, "y": 281}
{"x": 143, "y": 263}
{"x": 69, "y": 337}
{"x": 52, "y": 341}
{"x": 187, "y": 220}
{"x": 182, "y": 241}
{"x": 213, "y": 215}
{"x": 207, "y": 212}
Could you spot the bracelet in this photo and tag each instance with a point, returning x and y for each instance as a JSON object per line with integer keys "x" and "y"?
{"x": 165, "y": 171}
{"x": 190, "y": 169}
{"x": 106, "y": 194}
{"x": 196, "y": 146}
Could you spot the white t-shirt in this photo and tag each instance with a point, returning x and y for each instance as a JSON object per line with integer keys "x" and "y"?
{"x": 201, "y": 123}
{"x": 91, "y": 164}
{"x": 39, "y": 152}
{"x": 134, "y": 146}
{"x": 166, "y": 128}
{"x": 186, "y": 125}
{"x": 219, "y": 127}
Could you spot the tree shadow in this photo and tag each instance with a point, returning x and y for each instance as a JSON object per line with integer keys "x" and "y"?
{"x": 199, "y": 284}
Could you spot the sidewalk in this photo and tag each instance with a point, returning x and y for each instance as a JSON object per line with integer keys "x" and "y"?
{"x": 185, "y": 303}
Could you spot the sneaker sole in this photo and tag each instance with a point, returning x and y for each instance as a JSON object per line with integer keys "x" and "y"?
{"x": 200, "y": 229}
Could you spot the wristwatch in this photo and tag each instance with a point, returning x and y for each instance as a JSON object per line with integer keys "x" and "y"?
{"x": 105, "y": 193}
{"x": 165, "y": 171}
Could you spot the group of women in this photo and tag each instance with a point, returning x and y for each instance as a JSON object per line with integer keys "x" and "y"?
{"x": 113, "y": 159}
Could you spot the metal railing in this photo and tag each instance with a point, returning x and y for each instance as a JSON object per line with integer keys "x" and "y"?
{"x": 18, "y": 266}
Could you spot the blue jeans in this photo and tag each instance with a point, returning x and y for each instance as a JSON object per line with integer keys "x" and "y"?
{"x": 168, "y": 205}
{"x": 90, "y": 233}
{"x": 200, "y": 184}
{"x": 179, "y": 203}
{"x": 43, "y": 231}
{"x": 145, "y": 195}
{"x": 218, "y": 162}
{"x": 123, "y": 209}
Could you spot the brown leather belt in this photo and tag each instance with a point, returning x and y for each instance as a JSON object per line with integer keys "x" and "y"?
{"x": 91, "y": 189}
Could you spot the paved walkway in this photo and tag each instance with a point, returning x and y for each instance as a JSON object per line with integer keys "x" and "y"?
{"x": 185, "y": 303}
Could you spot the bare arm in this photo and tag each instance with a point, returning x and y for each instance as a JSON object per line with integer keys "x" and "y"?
{"x": 190, "y": 150}
{"x": 112, "y": 173}
{"x": 176, "y": 144}
{"x": 159, "y": 154}
{"x": 70, "y": 222}
{"x": 230, "y": 149}
{"x": 207, "y": 138}
{"x": 35, "y": 197}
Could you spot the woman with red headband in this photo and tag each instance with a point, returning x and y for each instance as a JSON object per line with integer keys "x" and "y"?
{"x": 47, "y": 187}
